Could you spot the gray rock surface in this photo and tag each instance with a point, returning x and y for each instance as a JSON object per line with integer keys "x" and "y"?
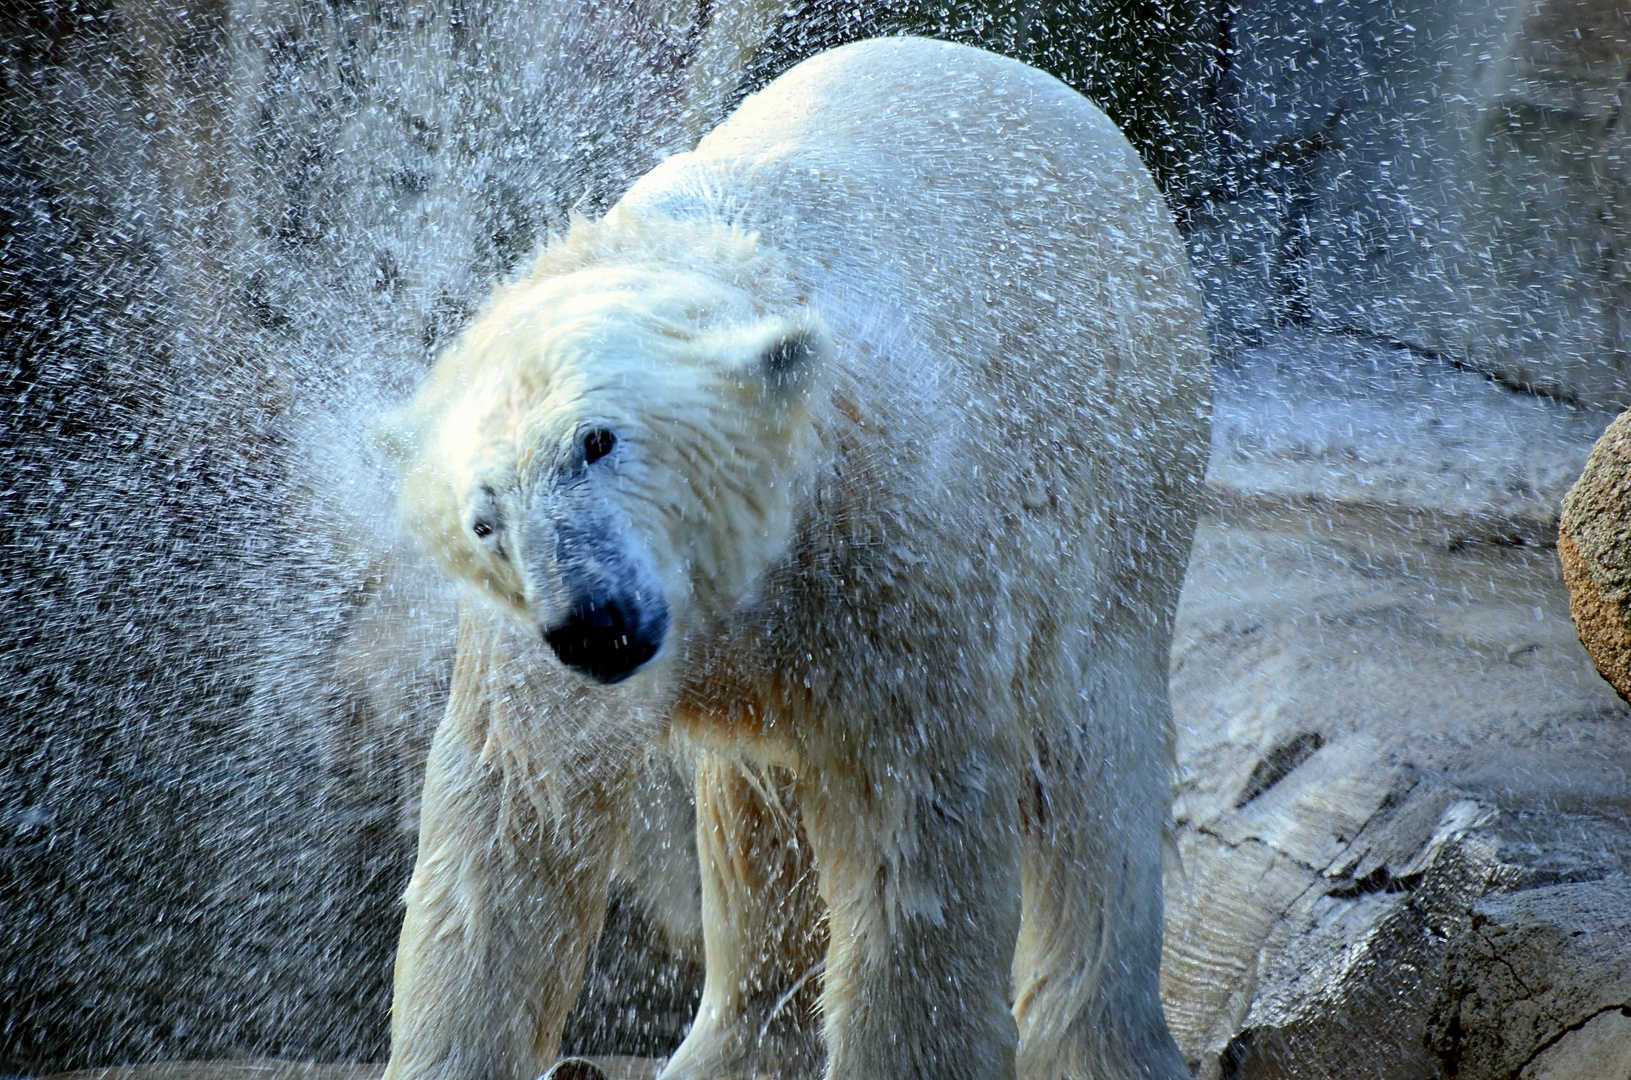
{"x": 1600, "y": 1049}
{"x": 1533, "y": 969}
{"x": 1454, "y": 176}
{"x": 1391, "y": 743}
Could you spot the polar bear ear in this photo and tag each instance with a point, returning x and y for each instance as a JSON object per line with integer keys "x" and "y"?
{"x": 784, "y": 352}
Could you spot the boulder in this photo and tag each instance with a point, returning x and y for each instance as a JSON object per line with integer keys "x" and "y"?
{"x": 1594, "y": 547}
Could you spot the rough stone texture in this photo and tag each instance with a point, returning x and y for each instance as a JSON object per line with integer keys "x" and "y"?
{"x": 1594, "y": 546}
{"x": 1390, "y": 740}
{"x": 1598, "y": 1050}
{"x": 1454, "y": 176}
{"x": 1531, "y": 968}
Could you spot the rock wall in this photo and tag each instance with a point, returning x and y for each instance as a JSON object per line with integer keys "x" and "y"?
{"x": 1451, "y": 176}
{"x": 1402, "y": 818}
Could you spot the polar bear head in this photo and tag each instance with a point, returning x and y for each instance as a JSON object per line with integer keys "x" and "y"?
{"x": 615, "y": 449}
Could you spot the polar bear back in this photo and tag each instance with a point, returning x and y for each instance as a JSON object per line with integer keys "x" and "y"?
{"x": 1017, "y": 328}
{"x": 978, "y": 231}
{"x": 978, "y": 180}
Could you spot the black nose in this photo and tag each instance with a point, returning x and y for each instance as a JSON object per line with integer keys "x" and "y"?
{"x": 606, "y": 644}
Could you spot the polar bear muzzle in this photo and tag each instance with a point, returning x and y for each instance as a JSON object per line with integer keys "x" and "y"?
{"x": 610, "y": 617}
{"x": 608, "y": 639}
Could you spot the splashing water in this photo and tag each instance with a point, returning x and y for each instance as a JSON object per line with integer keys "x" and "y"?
{"x": 235, "y": 234}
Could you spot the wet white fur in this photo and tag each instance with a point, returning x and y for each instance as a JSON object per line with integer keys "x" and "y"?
{"x": 922, "y": 588}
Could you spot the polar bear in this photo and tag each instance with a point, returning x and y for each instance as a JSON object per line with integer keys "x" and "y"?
{"x": 856, "y": 454}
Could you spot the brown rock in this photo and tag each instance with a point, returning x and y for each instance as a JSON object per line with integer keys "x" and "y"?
{"x": 1593, "y": 547}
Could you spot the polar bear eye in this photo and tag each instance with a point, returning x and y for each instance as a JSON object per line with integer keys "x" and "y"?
{"x": 597, "y": 443}
{"x": 482, "y": 529}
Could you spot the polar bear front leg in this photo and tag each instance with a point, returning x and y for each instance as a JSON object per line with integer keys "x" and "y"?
{"x": 762, "y": 931}
{"x": 507, "y": 895}
{"x": 921, "y": 881}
